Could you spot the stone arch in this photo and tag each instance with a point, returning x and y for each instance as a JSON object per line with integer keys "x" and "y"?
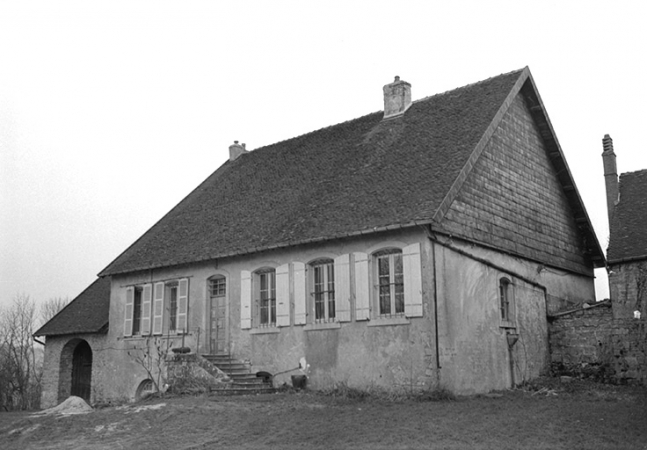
{"x": 75, "y": 372}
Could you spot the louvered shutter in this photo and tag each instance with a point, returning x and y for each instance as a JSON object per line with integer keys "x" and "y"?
{"x": 245, "y": 299}
{"x": 158, "y": 307}
{"x": 147, "y": 299}
{"x": 183, "y": 305}
{"x": 412, "y": 280}
{"x": 342, "y": 288}
{"x": 128, "y": 311}
{"x": 283, "y": 296}
{"x": 362, "y": 287}
{"x": 300, "y": 294}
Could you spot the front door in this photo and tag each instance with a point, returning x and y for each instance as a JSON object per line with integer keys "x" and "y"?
{"x": 82, "y": 371}
{"x": 218, "y": 320}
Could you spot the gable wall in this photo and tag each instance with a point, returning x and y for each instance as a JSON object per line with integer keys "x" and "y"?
{"x": 513, "y": 200}
{"x": 628, "y": 288}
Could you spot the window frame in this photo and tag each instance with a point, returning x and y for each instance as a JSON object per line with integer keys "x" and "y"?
{"x": 267, "y": 274}
{"x": 505, "y": 301}
{"x": 138, "y": 293}
{"x": 323, "y": 306}
{"x": 171, "y": 290}
{"x": 394, "y": 258}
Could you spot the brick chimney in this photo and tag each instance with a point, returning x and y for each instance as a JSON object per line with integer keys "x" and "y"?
{"x": 397, "y": 98}
{"x": 235, "y": 150}
{"x": 610, "y": 174}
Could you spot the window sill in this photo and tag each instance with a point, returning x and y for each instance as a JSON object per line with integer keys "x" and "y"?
{"x": 265, "y": 330}
{"x": 388, "y": 321}
{"x": 507, "y": 324}
{"x": 322, "y": 326}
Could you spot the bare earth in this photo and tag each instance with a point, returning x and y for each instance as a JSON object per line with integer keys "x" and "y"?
{"x": 575, "y": 416}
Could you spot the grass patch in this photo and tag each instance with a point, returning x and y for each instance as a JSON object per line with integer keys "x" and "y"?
{"x": 343, "y": 391}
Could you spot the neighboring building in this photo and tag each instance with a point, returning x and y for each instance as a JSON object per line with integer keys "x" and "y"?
{"x": 627, "y": 252}
{"x": 417, "y": 247}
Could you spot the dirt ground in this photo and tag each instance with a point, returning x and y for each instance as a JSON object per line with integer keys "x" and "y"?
{"x": 578, "y": 415}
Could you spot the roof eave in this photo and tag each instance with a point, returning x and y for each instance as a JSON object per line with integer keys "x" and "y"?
{"x": 250, "y": 250}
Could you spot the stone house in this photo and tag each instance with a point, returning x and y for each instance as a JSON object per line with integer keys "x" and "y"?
{"x": 411, "y": 248}
{"x": 627, "y": 252}
{"x": 608, "y": 340}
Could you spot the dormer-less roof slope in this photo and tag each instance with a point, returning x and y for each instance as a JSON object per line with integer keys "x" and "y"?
{"x": 628, "y": 233}
{"x": 87, "y": 313}
{"x": 356, "y": 177}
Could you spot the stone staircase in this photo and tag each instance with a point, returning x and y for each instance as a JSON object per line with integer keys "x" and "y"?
{"x": 243, "y": 381}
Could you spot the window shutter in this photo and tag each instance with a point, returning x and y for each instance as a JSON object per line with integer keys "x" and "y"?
{"x": 147, "y": 295}
{"x": 245, "y": 299}
{"x": 412, "y": 280}
{"x": 299, "y": 293}
{"x": 183, "y": 305}
{"x": 128, "y": 313}
{"x": 158, "y": 307}
{"x": 362, "y": 286}
{"x": 342, "y": 288}
{"x": 283, "y": 296}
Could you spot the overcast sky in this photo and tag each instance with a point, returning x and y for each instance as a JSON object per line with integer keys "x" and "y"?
{"x": 111, "y": 112}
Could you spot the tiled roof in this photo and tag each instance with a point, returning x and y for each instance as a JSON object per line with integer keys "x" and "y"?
{"x": 349, "y": 178}
{"x": 628, "y": 233}
{"x": 356, "y": 177}
{"x": 87, "y": 313}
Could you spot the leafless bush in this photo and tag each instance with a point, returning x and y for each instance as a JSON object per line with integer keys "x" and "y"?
{"x": 20, "y": 366}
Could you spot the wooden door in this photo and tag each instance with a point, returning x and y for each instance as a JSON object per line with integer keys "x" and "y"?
{"x": 218, "y": 332}
{"x": 82, "y": 371}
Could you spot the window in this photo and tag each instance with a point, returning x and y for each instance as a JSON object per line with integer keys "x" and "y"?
{"x": 505, "y": 298}
{"x": 137, "y": 311}
{"x": 323, "y": 290}
{"x": 218, "y": 287}
{"x": 390, "y": 286}
{"x": 171, "y": 294}
{"x": 267, "y": 298}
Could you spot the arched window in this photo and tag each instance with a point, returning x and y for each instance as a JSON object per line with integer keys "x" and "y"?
{"x": 266, "y": 297}
{"x": 505, "y": 298}
{"x": 323, "y": 290}
{"x": 390, "y": 282}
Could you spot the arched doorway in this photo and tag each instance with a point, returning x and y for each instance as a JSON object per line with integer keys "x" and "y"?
{"x": 82, "y": 371}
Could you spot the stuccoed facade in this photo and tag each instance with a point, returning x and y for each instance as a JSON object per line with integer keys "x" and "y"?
{"x": 415, "y": 249}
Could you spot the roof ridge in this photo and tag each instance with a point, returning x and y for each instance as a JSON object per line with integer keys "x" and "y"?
{"x": 380, "y": 111}
{"x": 469, "y": 85}
{"x": 635, "y": 172}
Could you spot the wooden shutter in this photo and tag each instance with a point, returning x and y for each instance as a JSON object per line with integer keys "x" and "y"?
{"x": 182, "y": 305}
{"x": 283, "y": 296}
{"x": 362, "y": 287}
{"x": 158, "y": 307}
{"x": 342, "y": 288}
{"x": 300, "y": 293}
{"x": 245, "y": 299}
{"x": 412, "y": 280}
{"x": 128, "y": 312}
{"x": 147, "y": 295}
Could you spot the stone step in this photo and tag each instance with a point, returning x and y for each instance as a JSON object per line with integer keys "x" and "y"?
{"x": 235, "y": 391}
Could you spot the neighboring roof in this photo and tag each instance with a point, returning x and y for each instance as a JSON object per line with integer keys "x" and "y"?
{"x": 628, "y": 230}
{"x": 357, "y": 177}
{"x": 87, "y": 313}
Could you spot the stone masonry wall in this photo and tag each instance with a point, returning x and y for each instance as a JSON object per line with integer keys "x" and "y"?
{"x": 628, "y": 288}
{"x": 590, "y": 342}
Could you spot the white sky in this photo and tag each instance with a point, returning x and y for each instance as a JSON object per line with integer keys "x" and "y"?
{"x": 111, "y": 112}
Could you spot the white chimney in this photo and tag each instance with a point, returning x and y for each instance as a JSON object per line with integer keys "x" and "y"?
{"x": 235, "y": 150}
{"x": 397, "y": 98}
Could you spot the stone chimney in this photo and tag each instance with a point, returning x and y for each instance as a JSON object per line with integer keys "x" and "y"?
{"x": 235, "y": 150}
{"x": 397, "y": 98}
{"x": 610, "y": 174}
